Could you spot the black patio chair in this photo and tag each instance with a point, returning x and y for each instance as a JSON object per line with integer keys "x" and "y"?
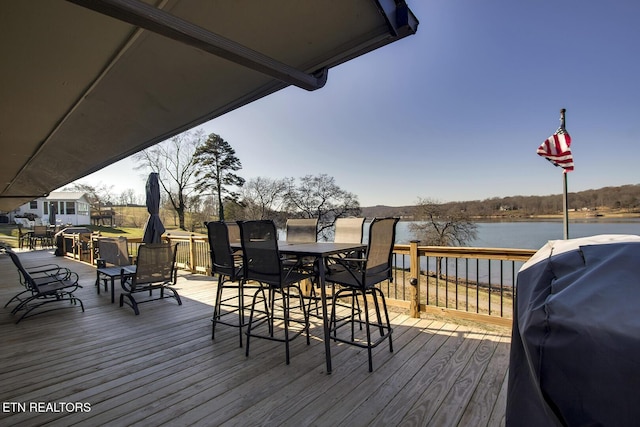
{"x": 347, "y": 230}
{"x": 155, "y": 271}
{"x": 113, "y": 262}
{"x": 24, "y": 237}
{"x": 44, "y": 271}
{"x": 358, "y": 277}
{"x": 43, "y": 285}
{"x": 227, "y": 265}
{"x": 42, "y": 235}
{"x": 262, "y": 263}
{"x": 303, "y": 230}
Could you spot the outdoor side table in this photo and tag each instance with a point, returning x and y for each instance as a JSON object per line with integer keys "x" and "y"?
{"x": 112, "y": 273}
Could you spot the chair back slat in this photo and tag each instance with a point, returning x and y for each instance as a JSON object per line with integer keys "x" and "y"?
{"x": 155, "y": 263}
{"x": 27, "y": 280}
{"x": 348, "y": 230}
{"x": 380, "y": 247}
{"x": 114, "y": 250}
{"x": 40, "y": 230}
{"x": 261, "y": 258}
{"x": 302, "y": 230}
{"x": 233, "y": 230}
{"x": 222, "y": 259}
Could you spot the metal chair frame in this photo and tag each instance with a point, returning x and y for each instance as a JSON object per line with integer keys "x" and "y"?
{"x": 43, "y": 286}
{"x": 358, "y": 277}
{"x": 262, "y": 263}
{"x": 227, "y": 265}
{"x": 158, "y": 275}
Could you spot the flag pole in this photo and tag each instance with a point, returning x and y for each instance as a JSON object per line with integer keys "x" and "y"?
{"x": 565, "y": 198}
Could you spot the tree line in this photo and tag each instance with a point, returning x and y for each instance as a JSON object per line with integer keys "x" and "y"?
{"x": 200, "y": 177}
{"x": 625, "y": 198}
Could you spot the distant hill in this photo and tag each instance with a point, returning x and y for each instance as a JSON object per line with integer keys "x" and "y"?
{"x": 620, "y": 200}
{"x": 386, "y": 211}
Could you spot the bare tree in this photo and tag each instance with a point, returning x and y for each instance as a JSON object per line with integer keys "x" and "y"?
{"x": 442, "y": 226}
{"x": 128, "y": 197}
{"x": 263, "y": 198}
{"x": 98, "y": 196}
{"x": 174, "y": 161}
{"x": 320, "y": 197}
{"x": 217, "y": 162}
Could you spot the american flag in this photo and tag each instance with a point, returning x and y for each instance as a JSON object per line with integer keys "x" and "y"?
{"x": 557, "y": 150}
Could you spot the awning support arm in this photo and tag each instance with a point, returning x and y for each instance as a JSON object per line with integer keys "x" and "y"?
{"x": 150, "y": 18}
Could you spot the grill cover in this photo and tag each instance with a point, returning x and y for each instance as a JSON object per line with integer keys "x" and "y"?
{"x": 575, "y": 349}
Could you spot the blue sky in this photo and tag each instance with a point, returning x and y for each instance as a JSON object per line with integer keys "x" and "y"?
{"x": 456, "y": 111}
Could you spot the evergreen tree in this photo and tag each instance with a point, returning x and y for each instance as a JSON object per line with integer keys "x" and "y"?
{"x": 217, "y": 163}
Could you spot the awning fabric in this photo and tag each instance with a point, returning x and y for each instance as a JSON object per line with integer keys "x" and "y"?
{"x": 86, "y": 83}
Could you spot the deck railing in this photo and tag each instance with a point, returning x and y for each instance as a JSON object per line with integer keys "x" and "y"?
{"x": 464, "y": 282}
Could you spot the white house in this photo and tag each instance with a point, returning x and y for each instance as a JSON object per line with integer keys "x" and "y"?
{"x": 67, "y": 207}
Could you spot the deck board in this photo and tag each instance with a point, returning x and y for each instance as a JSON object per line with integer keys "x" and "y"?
{"x": 162, "y": 368}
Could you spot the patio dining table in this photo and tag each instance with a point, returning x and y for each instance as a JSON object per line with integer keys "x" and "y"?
{"x": 320, "y": 251}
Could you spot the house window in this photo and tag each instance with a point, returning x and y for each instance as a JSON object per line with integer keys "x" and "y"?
{"x": 83, "y": 208}
{"x": 45, "y": 207}
{"x": 71, "y": 208}
{"x": 33, "y": 204}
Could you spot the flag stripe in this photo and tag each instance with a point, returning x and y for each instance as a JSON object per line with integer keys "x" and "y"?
{"x": 557, "y": 150}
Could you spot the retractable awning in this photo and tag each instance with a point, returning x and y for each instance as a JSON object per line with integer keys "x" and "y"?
{"x": 86, "y": 83}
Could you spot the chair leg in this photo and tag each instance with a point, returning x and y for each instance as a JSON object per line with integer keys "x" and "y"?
{"x": 386, "y": 314}
{"x": 217, "y": 309}
{"x": 250, "y": 323}
{"x": 16, "y": 298}
{"x": 240, "y": 309}
{"x": 378, "y": 317}
{"x": 354, "y": 301}
{"x": 306, "y": 314}
{"x": 132, "y": 302}
{"x": 368, "y": 330}
{"x": 285, "y": 310}
{"x": 367, "y": 341}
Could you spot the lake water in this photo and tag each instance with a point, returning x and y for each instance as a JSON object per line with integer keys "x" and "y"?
{"x": 534, "y": 234}
{"x": 520, "y": 235}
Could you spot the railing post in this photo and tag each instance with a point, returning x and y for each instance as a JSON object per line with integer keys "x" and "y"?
{"x": 414, "y": 272}
{"x": 192, "y": 254}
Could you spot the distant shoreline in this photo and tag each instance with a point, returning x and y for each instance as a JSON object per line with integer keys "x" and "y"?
{"x": 601, "y": 215}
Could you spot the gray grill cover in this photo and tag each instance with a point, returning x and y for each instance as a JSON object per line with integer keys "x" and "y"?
{"x": 575, "y": 350}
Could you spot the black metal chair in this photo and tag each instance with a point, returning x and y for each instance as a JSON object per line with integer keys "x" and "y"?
{"x": 347, "y": 230}
{"x": 24, "y": 237}
{"x": 41, "y": 234}
{"x": 113, "y": 258}
{"x": 303, "y": 230}
{"x": 262, "y": 263}
{"x": 155, "y": 271}
{"x": 358, "y": 277}
{"x": 43, "y": 285}
{"x": 227, "y": 265}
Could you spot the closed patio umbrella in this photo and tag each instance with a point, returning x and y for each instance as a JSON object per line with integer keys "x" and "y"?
{"x": 153, "y": 229}
{"x": 52, "y": 213}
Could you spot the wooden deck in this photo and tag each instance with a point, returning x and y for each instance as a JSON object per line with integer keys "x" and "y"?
{"x": 162, "y": 367}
